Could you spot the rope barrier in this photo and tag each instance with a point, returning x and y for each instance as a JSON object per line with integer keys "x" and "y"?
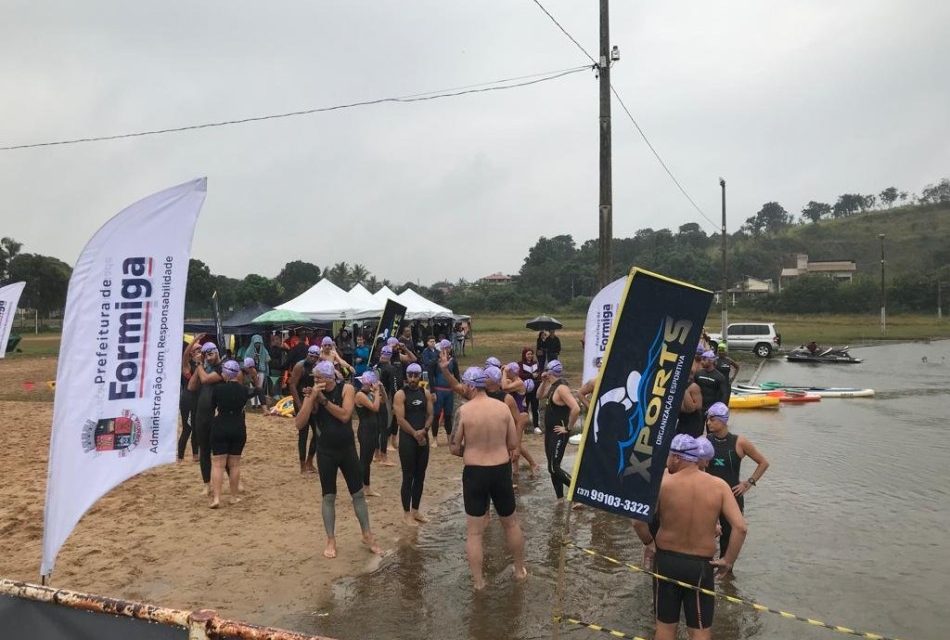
{"x": 596, "y": 627}
{"x": 758, "y": 607}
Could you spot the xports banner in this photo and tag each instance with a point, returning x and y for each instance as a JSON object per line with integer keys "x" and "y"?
{"x": 636, "y": 401}
{"x": 117, "y": 382}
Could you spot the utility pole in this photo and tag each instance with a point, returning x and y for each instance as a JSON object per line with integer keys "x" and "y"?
{"x": 725, "y": 275}
{"x": 883, "y": 298}
{"x": 606, "y": 184}
{"x": 939, "y": 301}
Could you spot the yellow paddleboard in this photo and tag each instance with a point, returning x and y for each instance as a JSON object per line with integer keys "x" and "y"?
{"x": 753, "y": 402}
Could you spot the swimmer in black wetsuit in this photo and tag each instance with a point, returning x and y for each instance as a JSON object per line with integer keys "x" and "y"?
{"x": 413, "y": 408}
{"x": 330, "y": 405}
{"x": 301, "y": 377}
{"x": 207, "y": 375}
{"x": 729, "y": 451}
{"x": 228, "y": 431}
{"x": 560, "y": 413}
{"x": 371, "y": 409}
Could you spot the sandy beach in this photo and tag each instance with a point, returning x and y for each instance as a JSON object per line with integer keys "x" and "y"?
{"x": 154, "y": 539}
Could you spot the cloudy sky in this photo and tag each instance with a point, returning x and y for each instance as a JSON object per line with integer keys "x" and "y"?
{"x": 788, "y": 101}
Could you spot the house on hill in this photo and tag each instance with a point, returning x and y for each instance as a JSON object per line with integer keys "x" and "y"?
{"x": 496, "y": 278}
{"x": 840, "y": 270}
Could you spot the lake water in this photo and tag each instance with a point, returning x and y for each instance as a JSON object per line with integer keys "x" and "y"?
{"x": 850, "y": 525}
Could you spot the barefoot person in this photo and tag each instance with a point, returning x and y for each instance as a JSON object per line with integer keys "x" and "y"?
{"x": 560, "y": 413}
{"x": 228, "y": 431}
{"x": 518, "y": 389}
{"x": 486, "y": 438}
{"x": 301, "y": 377}
{"x": 689, "y": 507}
{"x": 413, "y": 408}
{"x": 329, "y": 405}
{"x": 207, "y": 375}
{"x": 371, "y": 409}
{"x": 730, "y": 449}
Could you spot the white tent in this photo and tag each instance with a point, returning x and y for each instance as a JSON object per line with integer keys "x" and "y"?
{"x": 325, "y": 301}
{"x": 363, "y": 298}
{"x": 421, "y": 308}
{"x": 385, "y": 293}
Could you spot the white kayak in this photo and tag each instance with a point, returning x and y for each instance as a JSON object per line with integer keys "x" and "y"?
{"x": 824, "y": 392}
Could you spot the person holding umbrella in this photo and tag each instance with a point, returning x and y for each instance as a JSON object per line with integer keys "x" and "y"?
{"x": 546, "y": 326}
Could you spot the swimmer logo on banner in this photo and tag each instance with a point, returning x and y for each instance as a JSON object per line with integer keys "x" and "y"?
{"x": 637, "y": 398}
{"x": 117, "y": 382}
{"x": 9, "y": 297}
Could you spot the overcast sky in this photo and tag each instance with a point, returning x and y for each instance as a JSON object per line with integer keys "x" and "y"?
{"x": 788, "y": 101}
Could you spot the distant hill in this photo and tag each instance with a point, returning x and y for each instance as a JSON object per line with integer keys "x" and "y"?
{"x": 917, "y": 239}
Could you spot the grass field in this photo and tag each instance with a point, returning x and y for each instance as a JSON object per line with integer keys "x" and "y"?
{"x": 503, "y": 336}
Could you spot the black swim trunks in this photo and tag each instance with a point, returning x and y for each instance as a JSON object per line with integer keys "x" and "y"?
{"x": 669, "y": 598}
{"x": 481, "y": 484}
{"x": 228, "y": 437}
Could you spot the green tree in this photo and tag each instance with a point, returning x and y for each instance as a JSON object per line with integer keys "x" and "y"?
{"x": 889, "y": 196}
{"x": 9, "y": 249}
{"x": 935, "y": 193}
{"x": 848, "y": 204}
{"x": 258, "y": 289}
{"x": 815, "y": 211}
{"x": 358, "y": 275}
{"x": 298, "y": 276}
{"x": 339, "y": 274}
{"x": 47, "y": 280}
{"x": 200, "y": 287}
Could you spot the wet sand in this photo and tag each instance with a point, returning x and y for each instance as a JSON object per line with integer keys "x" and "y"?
{"x": 154, "y": 539}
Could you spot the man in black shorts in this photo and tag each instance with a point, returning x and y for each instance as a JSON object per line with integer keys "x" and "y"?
{"x": 688, "y": 509}
{"x": 486, "y": 438}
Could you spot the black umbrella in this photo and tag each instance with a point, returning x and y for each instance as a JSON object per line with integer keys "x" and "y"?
{"x": 544, "y": 323}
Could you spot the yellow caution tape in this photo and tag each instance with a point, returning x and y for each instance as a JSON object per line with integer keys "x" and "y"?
{"x": 597, "y": 627}
{"x": 734, "y": 600}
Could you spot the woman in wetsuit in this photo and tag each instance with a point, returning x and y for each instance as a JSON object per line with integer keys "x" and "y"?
{"x": 371, "y": 409}
{"x": 560, "y": 413}
{"x": 531, "y": 370}
{"x": 329, "y": 405}
{"x": 187, "y": 400}
{"x": 413, "y": 408}
{"x": 207, "y": 375}
{"x": 228, "y": 431}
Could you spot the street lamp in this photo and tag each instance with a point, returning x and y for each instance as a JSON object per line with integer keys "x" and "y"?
{"x": 883, "y": 298}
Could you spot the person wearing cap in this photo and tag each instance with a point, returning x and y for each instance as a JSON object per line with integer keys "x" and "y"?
{"x": 486, "y": 439}
{"x": 688, "y": 507}
{"x": 257, "y": 351}
{"x": 730, "y": 449}
{"x": 706, "y": 452}
{"x": 373, "y": 416}
{"x": 728, "y": 367}
{"x": 329, "y": 404}
{"x": 517, "y": 391}
{"x": 531, "y": 370}
{"x": 390, "y": 375}
{"x": 712, "y": 384}
{"x": 442, "y": 392}
{"x": 560, "y": 413}
{"x": 254, "y": 381}
{"x": 413, "y": 408}
{"x": 228, "y": 431}
{"x": 328, "y": 353}
{"x": 207, "y": 375}
{"x": 301, "y": 377}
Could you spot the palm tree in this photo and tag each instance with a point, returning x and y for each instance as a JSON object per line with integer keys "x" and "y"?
{"x": 339, "y": 275}
{"x": 358, "y": 274}
{"x": 372, "y": 284}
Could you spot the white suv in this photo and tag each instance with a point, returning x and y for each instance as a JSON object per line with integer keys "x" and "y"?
{"x": 759, "y": 337}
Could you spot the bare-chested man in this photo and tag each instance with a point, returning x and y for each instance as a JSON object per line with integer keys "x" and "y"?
{"x": 486, "y": 438}
{"x": 689, "y": 506}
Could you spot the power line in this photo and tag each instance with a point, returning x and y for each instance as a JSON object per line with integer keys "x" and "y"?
{"x": 660, "y": 160}
{"x": 497, "y": 85}
{"x": 632, "y": 119}
{"x": 565, "y": 32}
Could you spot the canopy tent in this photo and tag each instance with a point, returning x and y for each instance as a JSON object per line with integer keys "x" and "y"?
{"x": 421, "y": 308}
{"x": 385, "y": 293}
{"x": 362, "y": 297}
{"x": 325, "y": 301}
{"x": 238, "y": 323}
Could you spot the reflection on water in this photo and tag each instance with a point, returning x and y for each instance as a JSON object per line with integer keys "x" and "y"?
{"x": 848, "y": 526}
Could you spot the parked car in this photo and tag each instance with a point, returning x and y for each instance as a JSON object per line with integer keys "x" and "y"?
{"x": 761, "y": 338}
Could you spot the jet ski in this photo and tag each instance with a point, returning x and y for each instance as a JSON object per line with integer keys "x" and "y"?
{"x": 832, "y": 355}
